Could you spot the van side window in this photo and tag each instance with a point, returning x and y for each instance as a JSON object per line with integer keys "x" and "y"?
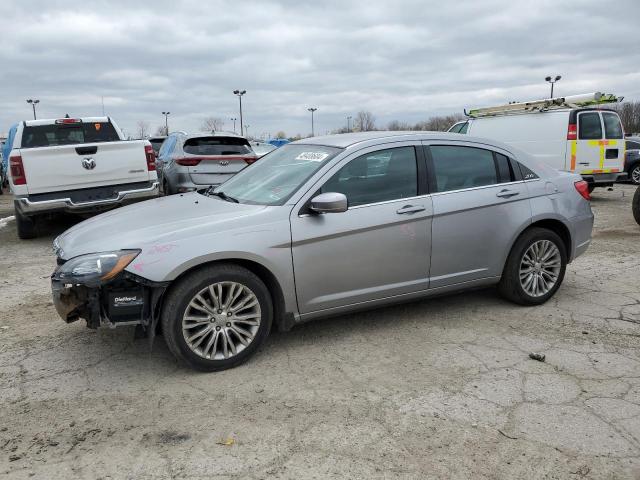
{"x": 633, "y": 146}
{"x": 457, "y": 168}
{"x": 589, "y": 127}
{"x": 612, "y": 126}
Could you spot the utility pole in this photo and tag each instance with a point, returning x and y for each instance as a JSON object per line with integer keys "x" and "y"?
{"x": 349, "y": 123}
{"x": 234, "y": 124}
{"x": 312, "y": 110}
{"x": 552, "y": 81}
{"x": 33, "y": 104}
{"x": 166, "y": 122}
{"x": 240, "y": 93}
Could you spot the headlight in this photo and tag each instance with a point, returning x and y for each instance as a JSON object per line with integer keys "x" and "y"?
{"x": 95, "y": 268}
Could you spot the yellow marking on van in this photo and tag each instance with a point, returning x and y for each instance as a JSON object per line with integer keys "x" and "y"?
{"x": 603, "y": 170}
{"x": 574, "y": 146}
{"x": 602, "y": 144}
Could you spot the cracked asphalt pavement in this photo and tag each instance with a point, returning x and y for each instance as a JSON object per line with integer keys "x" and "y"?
{"x": 440, "y": 388}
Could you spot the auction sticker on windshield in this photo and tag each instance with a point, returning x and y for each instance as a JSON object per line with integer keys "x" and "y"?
{"x": 312, "y": 156}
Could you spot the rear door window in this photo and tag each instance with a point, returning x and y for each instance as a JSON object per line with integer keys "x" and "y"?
{"x": 589, "y": 127}
{"x": 457, "y": 168}
{"x": 612, "y": 126}
{"x": 68, "y": 134}
{"x": 633, "y": 146}
{"x": 217, "y": 146}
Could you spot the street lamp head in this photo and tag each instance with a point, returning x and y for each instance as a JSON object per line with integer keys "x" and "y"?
{"x": 36, "y": 101}
{"x": 558, "y": 77}
{"x": 243, "y": 92}
{"x": 236, "y": 92}
{"x": 548, "y": 79}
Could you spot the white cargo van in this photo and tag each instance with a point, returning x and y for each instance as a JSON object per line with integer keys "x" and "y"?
{"x": 575, "y": 133}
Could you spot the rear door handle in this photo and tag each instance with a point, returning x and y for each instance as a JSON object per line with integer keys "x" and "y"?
{"x": 410, "y": 209}
{"x": 506, "y": 193}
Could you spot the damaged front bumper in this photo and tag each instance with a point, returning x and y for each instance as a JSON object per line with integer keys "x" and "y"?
{"x": 126, "y": 300}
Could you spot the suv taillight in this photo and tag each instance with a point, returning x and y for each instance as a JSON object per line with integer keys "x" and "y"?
{"x": 17, "y": 170}
{"x": 188, "y": 162}
{"x": 151, "y": 157}
{"x": 583, "y": 189}
{"x": 572, "y": 132}
{"x": 250, "y": 160}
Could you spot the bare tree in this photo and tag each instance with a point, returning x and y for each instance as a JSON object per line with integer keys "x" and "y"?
{"x": 395, "y": 125}
{"x": 364, "y": 121}
{"x": 211, "y": 124}
{"x": 630, "y": 115}
{"x": 160, "y": 131}
{"x": 142, "y": 129}
{"x": 439, "y": 123}
{"x": 281, "y": 134}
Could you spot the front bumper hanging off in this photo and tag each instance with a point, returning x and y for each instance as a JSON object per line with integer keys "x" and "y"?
{"x": 126, "y": 300}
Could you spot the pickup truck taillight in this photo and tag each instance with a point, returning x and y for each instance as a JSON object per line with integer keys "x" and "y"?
{"x": 250, "y": 160}
{"x": 17, "y": 170}
{"x": 151, "y": 157}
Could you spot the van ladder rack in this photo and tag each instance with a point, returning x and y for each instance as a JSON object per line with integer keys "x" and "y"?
{"x": 572, "y": 101}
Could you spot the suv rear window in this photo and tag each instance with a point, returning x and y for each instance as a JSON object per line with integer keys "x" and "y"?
{"x": 612, "y": 125}
{"x": 217, "y": 146}
{"x": 69, "y": 134}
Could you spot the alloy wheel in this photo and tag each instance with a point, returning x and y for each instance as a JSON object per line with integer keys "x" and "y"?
{"x": 221, "y": 320}
{"x": 540, "y": 268}
{"x": 635, "y": 175}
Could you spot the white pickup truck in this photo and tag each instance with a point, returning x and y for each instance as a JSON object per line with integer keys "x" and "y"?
{"x": 80, "y": 165}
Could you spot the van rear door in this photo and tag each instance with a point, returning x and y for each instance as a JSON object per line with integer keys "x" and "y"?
{"x": 599, "y": 147}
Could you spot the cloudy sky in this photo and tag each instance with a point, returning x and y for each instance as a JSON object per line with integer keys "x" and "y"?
{"x": 404, "y": 60}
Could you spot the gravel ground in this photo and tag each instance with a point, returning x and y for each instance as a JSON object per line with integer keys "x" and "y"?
{"x": 440, "y": 388}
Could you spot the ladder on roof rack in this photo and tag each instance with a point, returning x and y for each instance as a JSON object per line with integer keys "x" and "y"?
{"x": 571, "y": 101}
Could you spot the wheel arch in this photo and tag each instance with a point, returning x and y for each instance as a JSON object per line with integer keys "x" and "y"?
{"x": 281, "y": 318}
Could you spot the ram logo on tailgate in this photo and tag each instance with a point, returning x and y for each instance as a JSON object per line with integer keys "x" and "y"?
{"x": 88, "y": 163}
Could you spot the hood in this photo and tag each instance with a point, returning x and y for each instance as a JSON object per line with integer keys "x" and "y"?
{"x": 161, "y": 219}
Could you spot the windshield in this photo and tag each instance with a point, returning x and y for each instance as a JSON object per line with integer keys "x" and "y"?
{"x": 274, "y": 178}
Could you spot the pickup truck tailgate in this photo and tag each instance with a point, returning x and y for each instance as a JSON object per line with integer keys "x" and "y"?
{"x": 68, "y": 167}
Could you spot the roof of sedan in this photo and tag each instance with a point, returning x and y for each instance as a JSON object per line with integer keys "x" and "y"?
{"x": 344, "y": 140}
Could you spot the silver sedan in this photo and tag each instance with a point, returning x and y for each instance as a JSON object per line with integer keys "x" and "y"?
{"x": 321, "y": 227}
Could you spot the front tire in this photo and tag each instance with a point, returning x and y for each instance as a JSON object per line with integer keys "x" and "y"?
{"x": 635, "y": 206}
{"x": 535, "y": 267}
{"x": 217, "y": 317}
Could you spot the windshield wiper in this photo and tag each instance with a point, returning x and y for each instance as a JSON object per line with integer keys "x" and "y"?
{"x": 222, "y": 195}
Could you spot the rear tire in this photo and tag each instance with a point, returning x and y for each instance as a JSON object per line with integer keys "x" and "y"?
{"x": 26, "y": 226}
{"x": 535, "y": 267}
{"x": 635, "y": 206}
{"x": 231, "y": 318}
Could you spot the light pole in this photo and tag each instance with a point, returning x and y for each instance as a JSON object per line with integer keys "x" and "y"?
{"x": 166, "y": 122}
{"x": 33, "y": 104}
{"x": 349, "y": 123}
{"x": 552, "y": 81}
{"x": 234, "y": 124}
{"x": 246, "y": 130}
{"x": 312, "y": 110}
{"x": 240, "y": 93}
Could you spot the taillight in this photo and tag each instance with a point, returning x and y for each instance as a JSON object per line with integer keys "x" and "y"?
{"x": 250, "y": 160}
{"x": 572, "y": 132}
{"x": 68, "y": 121}
{"x": 188, "y": 162}
{"x": 151, "y": 157}
{"x": 17, "y": 170}
{"x": 583, "y": 189}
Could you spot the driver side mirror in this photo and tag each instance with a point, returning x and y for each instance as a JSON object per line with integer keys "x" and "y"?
{"x": 330, "y": 202}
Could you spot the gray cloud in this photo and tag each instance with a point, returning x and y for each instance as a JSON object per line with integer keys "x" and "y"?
{"x": 402, "y": 60}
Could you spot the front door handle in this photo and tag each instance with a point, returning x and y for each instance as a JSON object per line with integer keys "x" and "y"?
{"x": 506, "y": 193}
{"x": 410, "y": 209}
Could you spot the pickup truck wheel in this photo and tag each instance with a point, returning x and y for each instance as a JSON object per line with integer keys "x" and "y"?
{"x": 634, "y": 174}
{"x": 535, "y": 267}
{"x": 217, "y": 317}
{"x": 635, "y": 206}
{"x": 26, "y": 226}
